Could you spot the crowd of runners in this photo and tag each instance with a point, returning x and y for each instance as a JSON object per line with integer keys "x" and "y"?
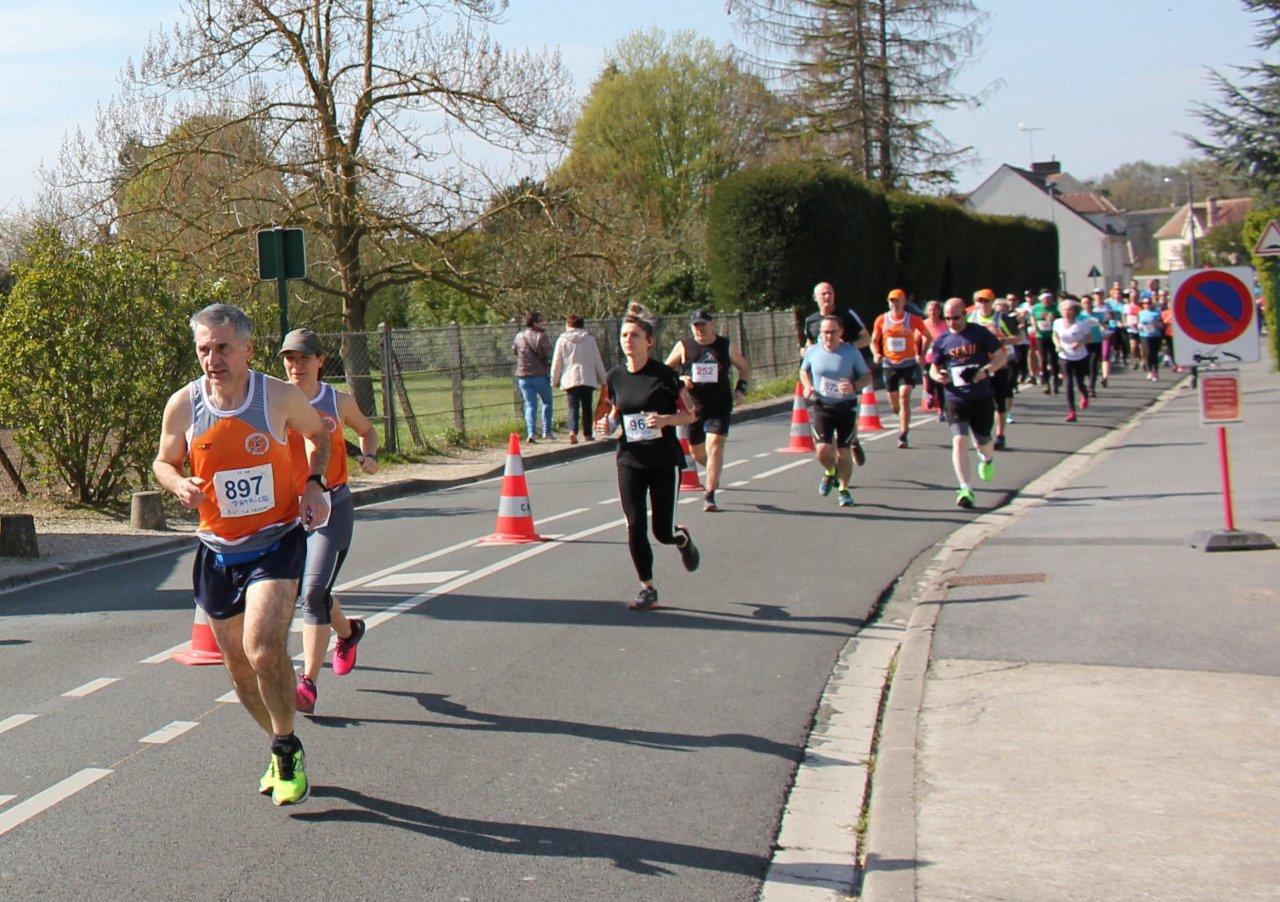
{"x": 264, "y": 461}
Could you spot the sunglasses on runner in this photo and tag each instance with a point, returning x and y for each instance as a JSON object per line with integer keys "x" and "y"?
{"x": 961, "y": 316}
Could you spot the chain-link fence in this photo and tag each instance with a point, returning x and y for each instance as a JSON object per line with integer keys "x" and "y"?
{"x": 433, "y": 385}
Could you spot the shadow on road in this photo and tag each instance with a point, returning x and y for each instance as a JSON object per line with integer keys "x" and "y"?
{"x": 485, "y": 722}
{"x": 631, "y": 853}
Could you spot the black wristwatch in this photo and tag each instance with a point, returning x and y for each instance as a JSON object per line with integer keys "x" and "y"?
{"x": 318, "y": 480}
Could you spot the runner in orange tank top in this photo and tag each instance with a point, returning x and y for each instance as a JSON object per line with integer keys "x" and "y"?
{"x": 899, "y": 342}
{"x": 230, "y": 426}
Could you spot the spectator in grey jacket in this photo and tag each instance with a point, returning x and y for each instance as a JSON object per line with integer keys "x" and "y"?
{"x": 577, "y": 367}
{"x": 533, "y": 366}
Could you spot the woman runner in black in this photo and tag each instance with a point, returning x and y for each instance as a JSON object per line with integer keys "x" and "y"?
{"x": 648, "y": 401}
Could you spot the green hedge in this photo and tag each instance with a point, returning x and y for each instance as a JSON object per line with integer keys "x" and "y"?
{"x": 1266, "y": 268}
{"x": 774, "y": 232}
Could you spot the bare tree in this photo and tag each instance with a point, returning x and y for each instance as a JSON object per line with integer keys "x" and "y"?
{"x": 374, "y": 124}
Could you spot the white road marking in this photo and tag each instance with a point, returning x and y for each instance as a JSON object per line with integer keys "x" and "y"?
{"x": 229, "y": 698}
{"x": 734, "y": 463}
{"x": 763, "y": 454}
{"x": 576, "y": 510}
{"x": 417, "y": 578}
{"x": 737, "y": 485}
{"x": 687, "y": 501}
{"x": 403, "y": 565}
{"x": 46, "y": 799}
{"x": 90, "y": 687}
{"x": 607, "y": 501}
{"x": 782, "y": 469}
{"x": 161, "y": 657}
{"x": 172, "y": 731}
{"x": 16, "y": 720}
{"x": 5, "y": 800}
{"x": 411, "y": 603}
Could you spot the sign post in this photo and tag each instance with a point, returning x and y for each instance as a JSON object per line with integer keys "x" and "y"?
{"x": 1220, "y": 404}
{"x": 282, "y": 255}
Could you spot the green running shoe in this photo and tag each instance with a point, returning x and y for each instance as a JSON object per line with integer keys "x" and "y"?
{"x": 291, "y": 777}
{"x": 986, "y": 469}
{"x": 828, "y": 483}
{"x": 964, "y": 498}
{"x": 846, "y": 499}
{"x": 268, "y": 781}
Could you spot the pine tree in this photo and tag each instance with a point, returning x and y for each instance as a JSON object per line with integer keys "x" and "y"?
{"x": 1245, "y": 122}
{"x": 865, "y": 77}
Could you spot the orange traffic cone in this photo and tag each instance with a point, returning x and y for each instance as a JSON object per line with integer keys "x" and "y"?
{"x": 515, "y": 516}
{"x": 868, "y": 416}
{"x": 801, "y": 432}
{"x": 689, "y": 481}
{"x": 203, "y": 648}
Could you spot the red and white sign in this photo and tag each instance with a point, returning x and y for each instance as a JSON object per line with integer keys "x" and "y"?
{"x": 1214, "y": 315}
{"x": 1219, "y": 397}
{"x": 1269, "y": 242}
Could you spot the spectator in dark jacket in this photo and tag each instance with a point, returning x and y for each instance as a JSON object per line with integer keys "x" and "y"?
{"x": 533, "y": 374}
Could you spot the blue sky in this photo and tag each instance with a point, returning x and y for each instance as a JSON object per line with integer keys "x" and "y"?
{"x": 1109, "y": 81}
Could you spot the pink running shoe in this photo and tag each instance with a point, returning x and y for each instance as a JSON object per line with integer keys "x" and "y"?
{"x": 344, "y": 653}
{"x": 305, "y": 700}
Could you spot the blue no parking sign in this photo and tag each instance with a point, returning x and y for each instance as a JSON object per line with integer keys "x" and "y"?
{"x": 1213, "y": 315}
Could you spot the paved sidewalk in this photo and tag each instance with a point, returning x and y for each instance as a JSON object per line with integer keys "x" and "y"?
{"x": 1101, "y": 712}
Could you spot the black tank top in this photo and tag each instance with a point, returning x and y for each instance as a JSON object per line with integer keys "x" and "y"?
{"x": 709, "y": 367}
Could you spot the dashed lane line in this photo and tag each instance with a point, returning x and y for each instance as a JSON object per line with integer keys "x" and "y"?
{"x": 41, "y": 801}
{"x": 90, "y": 687}
{"x": 15, "y": 720}
{"x": 5, "y": 800}
{"x": 170, "y": 732}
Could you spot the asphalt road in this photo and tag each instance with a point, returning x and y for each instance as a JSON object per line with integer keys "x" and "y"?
{"x": 511, "y": 728}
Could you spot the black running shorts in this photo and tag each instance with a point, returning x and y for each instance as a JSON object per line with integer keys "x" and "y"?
{"x": 713, "y": 420}
{"x": 833, "y": 424}
{"x": 895, "y": 377}
{"x": 220, "y": 589}
{"x": 976, "y": 416}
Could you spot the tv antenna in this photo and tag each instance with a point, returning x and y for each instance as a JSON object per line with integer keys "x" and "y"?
{"x": 1031, "y": 137}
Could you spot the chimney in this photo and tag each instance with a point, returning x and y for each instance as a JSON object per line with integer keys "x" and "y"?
{"x": 1211, "y": 214}
{"x": 1051, "y": 167}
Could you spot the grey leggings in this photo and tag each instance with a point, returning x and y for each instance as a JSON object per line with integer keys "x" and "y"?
{"x": 326, "y": 550}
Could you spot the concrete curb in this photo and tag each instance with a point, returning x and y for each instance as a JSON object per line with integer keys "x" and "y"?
{"x": 890, "y": 848}
{"x": 373, "y": 495}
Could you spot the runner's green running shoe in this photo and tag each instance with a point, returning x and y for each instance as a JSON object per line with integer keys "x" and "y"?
{"x": 291, "y": 776}
{"x": 827, "y": 484}
{"x": 268, "y": 781}
{"x": 846, "y": 499}
{"x": 964, "y": 498}
{"x": 986, "y": 469}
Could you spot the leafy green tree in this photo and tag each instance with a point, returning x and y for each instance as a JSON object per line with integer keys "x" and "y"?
{"x": 95, "y": 340}
{"x": 1143, "y": 185}
{"x": 667, "y": 119}
{"x": 1245, "y": 121}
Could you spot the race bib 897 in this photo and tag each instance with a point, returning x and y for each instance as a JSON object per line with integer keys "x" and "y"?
{"x": 244, "y": 492}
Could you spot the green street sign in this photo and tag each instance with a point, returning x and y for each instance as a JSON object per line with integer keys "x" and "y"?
{"x": 276, "y": 243}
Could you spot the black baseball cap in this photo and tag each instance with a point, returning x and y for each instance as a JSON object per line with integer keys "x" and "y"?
{"x": 701, "y": 315}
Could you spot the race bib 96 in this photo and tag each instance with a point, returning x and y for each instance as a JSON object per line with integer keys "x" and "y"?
{"x": 637, "y": 430}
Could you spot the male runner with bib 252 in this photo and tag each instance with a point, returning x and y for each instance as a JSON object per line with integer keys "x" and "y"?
{"x": 704, "y": 360}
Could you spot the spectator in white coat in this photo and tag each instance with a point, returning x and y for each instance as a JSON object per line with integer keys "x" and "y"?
{"x": 578, "y": 368}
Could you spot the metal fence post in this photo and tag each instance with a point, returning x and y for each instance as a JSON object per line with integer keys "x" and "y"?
{"x": 455, "y": 376}
{"x": 773, "y": 343}
{"x": 743, "y": 347}
{"x": 388, "y": 391}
